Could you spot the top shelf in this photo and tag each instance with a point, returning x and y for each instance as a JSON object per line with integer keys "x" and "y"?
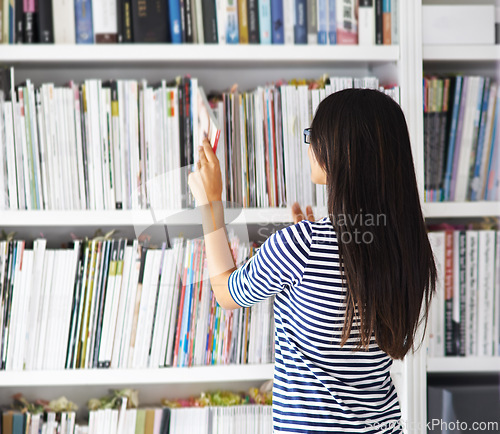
{"x": 162, "y": 54}
{"x": 453, "y": 53}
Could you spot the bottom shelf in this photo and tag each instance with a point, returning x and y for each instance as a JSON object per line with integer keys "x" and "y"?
{"x": 463, "y": 364}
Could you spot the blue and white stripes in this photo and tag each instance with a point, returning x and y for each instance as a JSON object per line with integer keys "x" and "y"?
{"x": 319, "y": 386}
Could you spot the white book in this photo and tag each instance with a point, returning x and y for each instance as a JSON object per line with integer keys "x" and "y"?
{"x": 22, "y": 334}
{"x": 436, "y": 240}
{"x": 137, "y": 342}
{"x": 395, "y": 22}
{"x": 113, "y": 423}
{"x": 496, "y": 312}
{"x": 46, "y": 97}
{"x": 33, "y": 136}
{"x": 131, "y": 417}
{"x": 6, "y": 112}
{"x": 221, "y": 13}
{"x": 132, "y": 295}
{"x": 73, "y": 160}
{"x": 107, "y": 174}
{"x": 124, "y": 145}
{"x": 63, "y": 17}
{"x": 105, "y": 21}
{"x": 133, "y": 134}
{"x": 122, "y": 416}
{"x": 471, "y": 293}
{"x": 159, "y": 326}
{"x": 288, "y": 21}
{"x": 108, "y": 302}
{"x": 366, "y": 22}
{"x": 116, "y": 299}
{"x": 120, "y": 321}
{"x": 486, "y": 282}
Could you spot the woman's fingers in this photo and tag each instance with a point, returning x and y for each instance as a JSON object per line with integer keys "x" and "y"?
{"x": 209, "y": 152}
{"x": 309, "y": 213}
{"x": 297, "y": 213}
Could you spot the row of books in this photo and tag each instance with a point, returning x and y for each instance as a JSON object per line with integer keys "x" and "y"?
{"x": 465, "y": 313}
{"x": 114, "y": 304}
{"x": 461, "y": 138}
{"x": 368, "y": 22}
{"x": 129, "y": 145}
{"x": 241, "y": 419}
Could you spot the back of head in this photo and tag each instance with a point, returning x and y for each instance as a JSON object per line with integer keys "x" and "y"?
{"x": 360, "y": 138}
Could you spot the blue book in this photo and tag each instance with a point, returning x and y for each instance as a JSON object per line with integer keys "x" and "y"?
{"x": 322, "y": 22}
{"x": 84, "y": 31}
{"x": 332, "y": 22}
{"x": 474, "y": 184}
{"x": 265, "y": 21}
{"x": 278, "y": 29}
{"x": 452, "y": 138}
{"x": 174, "y": 13}
{"x": 12, "y": 23}
{"x": 300, "y": 25}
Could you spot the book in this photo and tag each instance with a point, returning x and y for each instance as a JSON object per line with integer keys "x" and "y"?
{"x": 148, "y": 21}
{"x": 300, "y": 22}
{"x": 386, "y": 22}
{"x": 265, "y": 22}
{"x": 105, "y": 21}
{"x": 277, "y": 24}
{"x": 174, "y": 15}
{"x": 207, "y": 124}
{"x": 253, "y": 22}
{"x": 366, "y": 22}
{"x": 210, "y": 29}
{"x": 347, "y": 23}
{"x": 63, "y": 18}
{"x": 243, "y": 21}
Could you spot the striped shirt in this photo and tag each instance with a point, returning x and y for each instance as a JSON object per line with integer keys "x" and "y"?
{"x": 319, "y": 386}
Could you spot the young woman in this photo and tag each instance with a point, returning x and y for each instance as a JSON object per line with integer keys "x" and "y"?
{"x": 350, "y": 289}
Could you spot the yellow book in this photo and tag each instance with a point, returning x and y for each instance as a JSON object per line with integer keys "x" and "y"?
{"x": 140, "y": 422}
{"x": 243, "y": 21}
{"x": 149, "y": 424}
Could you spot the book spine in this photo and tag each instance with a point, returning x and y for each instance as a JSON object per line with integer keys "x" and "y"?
{"x": 182, "y": 13}
{"x": 30, "y": 31}
{"x": 448, "y": 312}
{"x": 288, "y": 20}
{"x": 386, "y": 22}
{"x": 332, "y": 22}
{"x": 209, "y": 22}
{"x": 232, "y": 32}
{"x": 278, "y": 31}
{"x": 312, "y": 22}
{"x": 149, "y": 24}
{"x": 347, "y": 25}
{"x": 366, "y": 22}
{"x": 63, "y": 19}
{"x": 300, "y": 23}
{"x": 83, "y": 22}
{"x": 45, "y": 25}
{"x": 322, "y": 22}
{"x": 395, "y": 22}
{"x": 471, "y": 293}
{"x": 243, "y": 21}
{"x": 174, "y": 14}
{"x": 128, "y": 35}
{"x": 253, "y": 22}
{"x": 378, "y": 23}
{"x": 105, "y": 22}
{"x": 265, "y": 21}
{"x": 188, "y": 14}
{"x": 18, "y": 21}
{"x": 461, "y": 332}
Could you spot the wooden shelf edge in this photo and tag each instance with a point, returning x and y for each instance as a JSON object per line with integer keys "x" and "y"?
{"x": 463, "y": 364}
{"x": 95, "y": 377}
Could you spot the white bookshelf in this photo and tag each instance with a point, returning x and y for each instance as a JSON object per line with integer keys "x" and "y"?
{"x": 462, "y": 53}
{"x": 466, "y": 365}
{"x": 218, "y": 376}
{"x": 161, "y": 54}
{"x": 252, "y": 216}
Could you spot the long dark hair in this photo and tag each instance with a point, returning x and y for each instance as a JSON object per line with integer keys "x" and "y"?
{"x": 360, "y": 138}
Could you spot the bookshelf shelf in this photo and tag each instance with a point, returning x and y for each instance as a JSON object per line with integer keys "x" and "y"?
{"x": 134, "y": 54}
{"x": 463, "y": 364}
{"x": 252, "y": 216}
{"x": 124, "y": 377}
{"x": 461, "y": 209}
{"x": 443, "y": 53}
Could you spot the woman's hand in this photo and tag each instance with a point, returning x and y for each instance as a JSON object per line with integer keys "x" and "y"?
{"x": 206, "y": 182}
{"x": 298, "y": 215}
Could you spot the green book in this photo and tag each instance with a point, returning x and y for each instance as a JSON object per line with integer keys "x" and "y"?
{"x": 140, "y": 422}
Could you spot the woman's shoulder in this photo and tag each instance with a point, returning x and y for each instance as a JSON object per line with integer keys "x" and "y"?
{"x": 305, "y": 230}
